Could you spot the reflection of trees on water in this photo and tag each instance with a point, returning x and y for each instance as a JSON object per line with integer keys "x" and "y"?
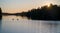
{"x": 0, "y": 25}
{"x": 53, "y": 27}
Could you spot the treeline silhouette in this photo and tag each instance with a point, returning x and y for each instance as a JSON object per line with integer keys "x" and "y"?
{"x": 44, "y": 13}
{"x": 0, "y": 14}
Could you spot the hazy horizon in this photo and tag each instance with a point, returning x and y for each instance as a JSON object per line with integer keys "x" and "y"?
{"x": 15, "y": 6}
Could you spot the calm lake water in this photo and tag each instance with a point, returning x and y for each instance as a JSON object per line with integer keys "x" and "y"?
{"x": 18, "y": 24}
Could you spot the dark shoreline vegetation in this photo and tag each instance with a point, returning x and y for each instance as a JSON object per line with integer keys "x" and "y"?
{"x": 0, "y": 14}
{"x": 44, "y": 13}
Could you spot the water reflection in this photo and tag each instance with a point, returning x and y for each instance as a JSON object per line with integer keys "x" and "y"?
{"x": 54, "y": 26}
{"x": 0, "y": 24}
{"x": 18, "y": 24}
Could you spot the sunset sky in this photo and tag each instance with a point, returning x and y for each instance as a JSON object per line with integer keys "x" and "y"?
{"x": 14, "y": 6}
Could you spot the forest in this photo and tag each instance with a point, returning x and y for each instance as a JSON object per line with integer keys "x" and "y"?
{"x": 44, "y": 13}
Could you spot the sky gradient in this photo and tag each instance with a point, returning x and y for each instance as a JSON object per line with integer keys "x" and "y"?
{"x": 14, "y": 6}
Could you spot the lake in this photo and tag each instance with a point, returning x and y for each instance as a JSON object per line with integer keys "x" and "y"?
{"x": 18, "y": 24}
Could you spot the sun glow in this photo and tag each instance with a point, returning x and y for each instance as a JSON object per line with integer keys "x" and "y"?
{"x": 48, "y": 4}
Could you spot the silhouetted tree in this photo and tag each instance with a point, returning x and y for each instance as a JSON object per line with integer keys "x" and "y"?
{"x": 0, "y": 13}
